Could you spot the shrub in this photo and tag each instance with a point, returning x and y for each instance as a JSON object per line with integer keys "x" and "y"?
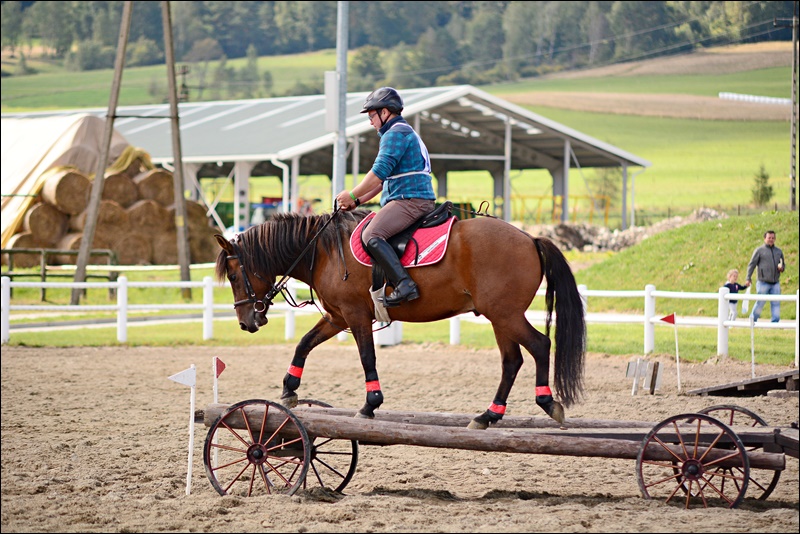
{"x": 762, "y": 191}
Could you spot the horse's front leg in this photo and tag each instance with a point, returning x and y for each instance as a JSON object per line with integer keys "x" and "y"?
{"x": 321, "y": 332}
{"x": 512, "y": 362}
{"x": 362, "y": 332}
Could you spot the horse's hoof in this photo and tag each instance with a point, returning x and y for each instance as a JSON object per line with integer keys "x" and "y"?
{"x": 360, "y": 415}
{"x": 477, "y": 425}
{"x": 289, "y": 402}
{"x": 557, "y": 412}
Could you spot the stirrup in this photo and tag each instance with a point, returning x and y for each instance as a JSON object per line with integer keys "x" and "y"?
{"x": 396, "y": 298}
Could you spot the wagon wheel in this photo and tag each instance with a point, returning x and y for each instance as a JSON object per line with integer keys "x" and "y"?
{"x": 683, "y": 454}
{"x": 244, "y": 458}
{"x": 761, "y": 484}
{"x": 333, "y": 461}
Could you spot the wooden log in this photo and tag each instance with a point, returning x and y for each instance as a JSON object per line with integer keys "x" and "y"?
{"x": 156, "y": 185}
{"x": 24, "y": 259}
{"x": 46, "y": 223}
{"x": 68, "y": 191}
{"x": 121, "y": 189}
{"x": 147, "y": 216}
{"x": 372, "y": 431}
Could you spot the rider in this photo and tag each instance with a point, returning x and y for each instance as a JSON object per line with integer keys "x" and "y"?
{"x": 402, "y": 174}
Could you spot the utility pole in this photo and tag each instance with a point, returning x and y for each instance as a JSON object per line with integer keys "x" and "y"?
{"x": 784, "y": 23}
{"x": 97, "y": 187}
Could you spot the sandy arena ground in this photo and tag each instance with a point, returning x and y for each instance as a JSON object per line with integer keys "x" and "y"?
{"x": 95, "y": 440}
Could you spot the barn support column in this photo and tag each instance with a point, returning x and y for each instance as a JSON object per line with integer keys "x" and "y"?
{"x": 498, "y": 178}
{"x": 506, "y": 193}
{"x": 294, "y": 185}
{"x": 439, "y": 169}
{"x": 354, "y": 161}
{"x": 241, "y": 204}
{"x": 624, "y": 196}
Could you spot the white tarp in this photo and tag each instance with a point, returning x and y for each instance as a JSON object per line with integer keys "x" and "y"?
{"x": 31, "y": 146}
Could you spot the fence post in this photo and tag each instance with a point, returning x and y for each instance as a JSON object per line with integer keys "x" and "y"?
{"x": 5, "y": 319}
{"x": 208, "y": 308}
{"x": 455, "y": 330}
{"x": 584, "y": 298}
{"x": 722, "y": 314}
{"x": 796, "y": 326}
{"x": 649, "y": 314}
{"x": 122, "y": 309}
{"x": 289, "y": 322}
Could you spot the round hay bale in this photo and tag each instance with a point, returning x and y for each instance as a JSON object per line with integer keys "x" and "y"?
{"x": 165, "y": 248}
{"x": 203, "y": 246}
{"x": 68, "y": 191}
{"x": 147, "y": 216}
{"x": 111, "y": 217}
{"x": 72, "y": 241}
{"x": 133, "y": 249}
{"x": 24, "y": 259}
{"x": 47, "y": 223}
{"x": 121, "y": 189}
{"x": 156, "y": 185}
{"x": 195, "y": 214}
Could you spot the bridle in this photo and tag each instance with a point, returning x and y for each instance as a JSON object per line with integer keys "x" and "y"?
{"x": 262, "y": 305}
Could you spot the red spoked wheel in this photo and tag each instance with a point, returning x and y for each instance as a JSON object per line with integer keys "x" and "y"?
{"x": 257, "y": 447}
{"x": 333, "y": 461}
{"x": 762, "y": 482}
{"x": 681, "y": 457}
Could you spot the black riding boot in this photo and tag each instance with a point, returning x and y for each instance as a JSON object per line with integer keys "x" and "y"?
{"x": 404, "y": 287}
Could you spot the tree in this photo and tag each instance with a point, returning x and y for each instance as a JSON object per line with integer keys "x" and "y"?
{"x": 365, "y": 69}
{"x": 11, "y": 25}
{"x": 762, "y": 191}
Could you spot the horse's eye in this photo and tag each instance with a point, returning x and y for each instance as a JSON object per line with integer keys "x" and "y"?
{"x": 232, "y": 277}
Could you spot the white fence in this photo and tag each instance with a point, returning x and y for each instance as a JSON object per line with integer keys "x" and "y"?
{"x": 648, "y": 320}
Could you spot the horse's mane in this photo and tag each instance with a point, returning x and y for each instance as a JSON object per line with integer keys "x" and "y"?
{"x": 270, "y": 248}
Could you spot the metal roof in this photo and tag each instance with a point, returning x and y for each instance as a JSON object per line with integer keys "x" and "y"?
{"x": 461, "y": 124}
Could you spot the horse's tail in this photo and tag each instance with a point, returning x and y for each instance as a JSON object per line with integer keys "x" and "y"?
{"x": 562, "y": 291}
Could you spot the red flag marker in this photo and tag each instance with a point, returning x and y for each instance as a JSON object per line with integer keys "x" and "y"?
{"x": 669, "y": 318}
{"x": 219, "y": 367}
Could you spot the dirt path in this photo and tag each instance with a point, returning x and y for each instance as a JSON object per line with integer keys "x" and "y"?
{"x": 95, "y": 440}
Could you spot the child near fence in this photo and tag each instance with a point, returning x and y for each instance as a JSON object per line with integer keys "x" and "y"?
{"x": 734, "y": 286}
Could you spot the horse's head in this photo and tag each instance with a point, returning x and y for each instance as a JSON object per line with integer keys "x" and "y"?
{"x": 250, "y": 289}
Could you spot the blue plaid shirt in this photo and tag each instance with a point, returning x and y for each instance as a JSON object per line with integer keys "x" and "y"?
{"x": 402, "y": 163}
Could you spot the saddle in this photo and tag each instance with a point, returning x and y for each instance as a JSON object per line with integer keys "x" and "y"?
{"x": 422, "y": 243}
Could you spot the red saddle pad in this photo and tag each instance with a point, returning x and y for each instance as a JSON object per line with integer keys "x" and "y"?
{"x": 432, "y": 245}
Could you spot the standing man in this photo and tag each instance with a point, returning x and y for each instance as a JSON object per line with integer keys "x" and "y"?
{"x": 769, "y": 260}
{"x": 402, "y": 174}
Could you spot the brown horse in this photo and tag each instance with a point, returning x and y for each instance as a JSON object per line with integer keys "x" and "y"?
{"x": 491, "y": 268}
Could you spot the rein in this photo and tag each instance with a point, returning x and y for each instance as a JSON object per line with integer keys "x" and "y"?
{"x": 279, "y": 287}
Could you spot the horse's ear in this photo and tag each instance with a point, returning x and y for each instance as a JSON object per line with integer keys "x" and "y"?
{"x": 224, "y": 243}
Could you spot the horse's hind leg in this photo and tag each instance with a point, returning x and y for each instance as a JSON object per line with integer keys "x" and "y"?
{"x": 538, "y": 345}
{"x": 512, "y": 362}
{"x": 321, "y": 332}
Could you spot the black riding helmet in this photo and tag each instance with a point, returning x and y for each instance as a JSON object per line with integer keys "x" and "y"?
{"x": 384, "y": 97}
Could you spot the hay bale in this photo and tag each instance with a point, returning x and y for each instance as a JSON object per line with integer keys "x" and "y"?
{"x": 121, "y": 189}
{"x": 165, "y": 248}
{"x": 68, "y": 191}
{"x": 133, "y": 249}
{"x": 147, "y": 216}
{"x": 203, "y": 246}
{"x": 23, "y": 260}
{"x": 195, "y": 214}
{"x": 46, "y": 223}
{"x": 111, "y": 218}
{"x": 156, "y": 185}
{"x": 72, "y": 241}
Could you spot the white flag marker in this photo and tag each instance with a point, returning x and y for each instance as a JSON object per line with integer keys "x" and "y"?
{"x": 188, "y": 377}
